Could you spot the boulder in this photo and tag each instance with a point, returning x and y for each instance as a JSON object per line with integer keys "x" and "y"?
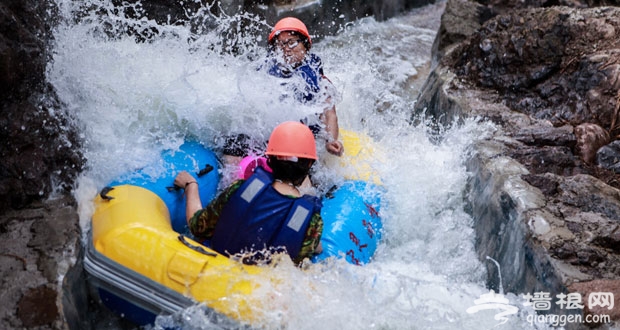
{"x": 40, "y": 143}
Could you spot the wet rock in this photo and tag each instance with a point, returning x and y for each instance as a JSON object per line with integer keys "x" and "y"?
{"x": 539, "y": 66}
{"x": 590, "y": 137}
{"x": 40, "y": 146}
{"x": 547, "y": 186}
{"x": 39, "y": 149}
{"x": 609, "y": 156}
{"x": 546, "y": 134}
{"x": 38, "y": 307}
{"x": 38, "y": 245}
{"x": 459, "y": 20}
{"x": 546, "y": 159}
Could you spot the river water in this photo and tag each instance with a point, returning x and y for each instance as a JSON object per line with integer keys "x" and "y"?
{"x": 133, "y": 100}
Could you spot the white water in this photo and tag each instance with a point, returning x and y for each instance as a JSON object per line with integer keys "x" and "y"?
{"x": 133, "y": 100}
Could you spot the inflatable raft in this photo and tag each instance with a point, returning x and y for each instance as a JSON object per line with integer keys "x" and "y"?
{"x": 142, "y": 261}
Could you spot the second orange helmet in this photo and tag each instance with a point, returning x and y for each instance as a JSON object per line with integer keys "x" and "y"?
{"x": 290, "y": 24}
{"x": 292, "y": 139}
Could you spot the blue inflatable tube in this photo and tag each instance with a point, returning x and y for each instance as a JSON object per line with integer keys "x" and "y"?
{"x": 351, "y": 222}
{"x": 159, "y": 178}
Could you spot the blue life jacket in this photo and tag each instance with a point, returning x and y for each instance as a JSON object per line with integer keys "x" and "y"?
{"x": 311, "y": 70}
{"x": 258, "y": 217}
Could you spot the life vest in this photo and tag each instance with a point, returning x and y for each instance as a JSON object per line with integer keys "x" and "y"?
{"x": 258, "y": 217}
{"x": 311, "y": 71}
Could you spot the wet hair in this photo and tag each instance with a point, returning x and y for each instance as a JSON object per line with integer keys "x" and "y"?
{"x": 294, "y": 172}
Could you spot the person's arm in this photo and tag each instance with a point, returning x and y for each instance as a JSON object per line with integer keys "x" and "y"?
{"x": 192, "y": 195}
{"x": 311, "y": 244}
{"x": 330, "y": 119}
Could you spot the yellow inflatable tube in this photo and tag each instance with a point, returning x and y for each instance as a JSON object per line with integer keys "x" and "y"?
{"x": 360, "y": 157}
{"x": 133, "y": 229}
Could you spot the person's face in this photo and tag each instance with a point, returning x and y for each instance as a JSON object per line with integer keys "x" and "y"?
{"x": 290, "y": 46}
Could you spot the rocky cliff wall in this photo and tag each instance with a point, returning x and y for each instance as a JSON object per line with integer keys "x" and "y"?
{"x": 543, "y": 191}
{"x": 40, "y": 147}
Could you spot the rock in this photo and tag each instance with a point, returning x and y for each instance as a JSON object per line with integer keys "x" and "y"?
{"x": 459, "y": 20}
{"x": 40, "y": 144}
{"x": 544, "y": 64}
{"x": 584, "y": 193}
{"x": 609, "y": 156}
{"x": 38, "y": 307}
{"x": 546, "y": 159}
{"x": 590, "y": 137}
{"x": 546, "y": 134}
{"x": 40, "y": 153}
{"x": 39, "y": 245}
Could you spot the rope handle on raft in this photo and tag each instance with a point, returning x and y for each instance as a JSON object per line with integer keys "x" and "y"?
{"x": 195, "y": 247}
{"x": 104, "y": 193}
{"x": 208, "y": 168}
{"x": 330, "y": 193}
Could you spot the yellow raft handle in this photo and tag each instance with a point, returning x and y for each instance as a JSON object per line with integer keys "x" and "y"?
{"x": 196, "y": 248}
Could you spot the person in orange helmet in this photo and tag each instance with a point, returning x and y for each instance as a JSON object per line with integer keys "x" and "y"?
{"x": 253, "y": 219}
{"x": 289, "y": 56}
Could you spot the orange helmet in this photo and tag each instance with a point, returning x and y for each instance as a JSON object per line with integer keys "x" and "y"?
{"x": 292, "y": 139}
{"x": 290, "y": 24}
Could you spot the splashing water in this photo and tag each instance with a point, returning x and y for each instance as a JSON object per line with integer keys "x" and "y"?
{"x": 134, "y": 99}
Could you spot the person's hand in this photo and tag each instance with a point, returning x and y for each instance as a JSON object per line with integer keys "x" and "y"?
{"x": 334, "y": 147}
{"x": 319, "y": 248}
{"x": 183, "y": 178}
{"x": 193, "y": 204}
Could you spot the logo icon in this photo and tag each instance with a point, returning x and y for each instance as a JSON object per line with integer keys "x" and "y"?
{"x": 494, "y": 301}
